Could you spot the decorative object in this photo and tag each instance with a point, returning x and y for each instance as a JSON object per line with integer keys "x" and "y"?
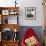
{"x": 15, "y": 3}
{"x": 13, "y": 12}
{"x": 6, "y": 21}
{"x": 7, "y": 34}
{"x": 31, "y": 41}
{"x": 15, "y": 37}
{"x": 30, "y": 38}
{"x": 30, "y": 13}
{"x": 5, "y": 12}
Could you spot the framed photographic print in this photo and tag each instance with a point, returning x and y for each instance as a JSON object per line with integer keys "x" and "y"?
{"x": 30, "y": 13}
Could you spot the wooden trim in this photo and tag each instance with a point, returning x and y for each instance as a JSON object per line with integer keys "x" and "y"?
{"x": 44, "y": 8}
{"x": 1, "y": 8}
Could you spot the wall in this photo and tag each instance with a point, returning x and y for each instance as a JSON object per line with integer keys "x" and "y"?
{"x": 39, "y": 13}
{"x": 27, "y": 3}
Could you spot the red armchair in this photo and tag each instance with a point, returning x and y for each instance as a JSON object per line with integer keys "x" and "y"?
{"x": 28, "y": 38}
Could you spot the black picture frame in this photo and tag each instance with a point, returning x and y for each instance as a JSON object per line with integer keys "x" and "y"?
{"x": 30, "y": 13}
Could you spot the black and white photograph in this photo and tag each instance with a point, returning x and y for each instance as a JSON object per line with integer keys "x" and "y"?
{"x": 30, "y": 13}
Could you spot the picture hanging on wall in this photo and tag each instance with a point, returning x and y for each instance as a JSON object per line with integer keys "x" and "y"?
{"x": 30, "y": 13}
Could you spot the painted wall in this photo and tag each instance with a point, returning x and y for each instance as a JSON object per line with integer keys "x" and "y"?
{"x": 26, "y": 3}
{"x": 39, "y": 13}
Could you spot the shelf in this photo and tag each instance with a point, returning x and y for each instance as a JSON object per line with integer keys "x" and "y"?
{"x": 10, "y": 19}
{"x": 11, "y": 41}
{"x": 4, "y": 8}
{"x": 5, "y": 12}
{"x": 9, "y": 10}
{"x": 10, "y": 26}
